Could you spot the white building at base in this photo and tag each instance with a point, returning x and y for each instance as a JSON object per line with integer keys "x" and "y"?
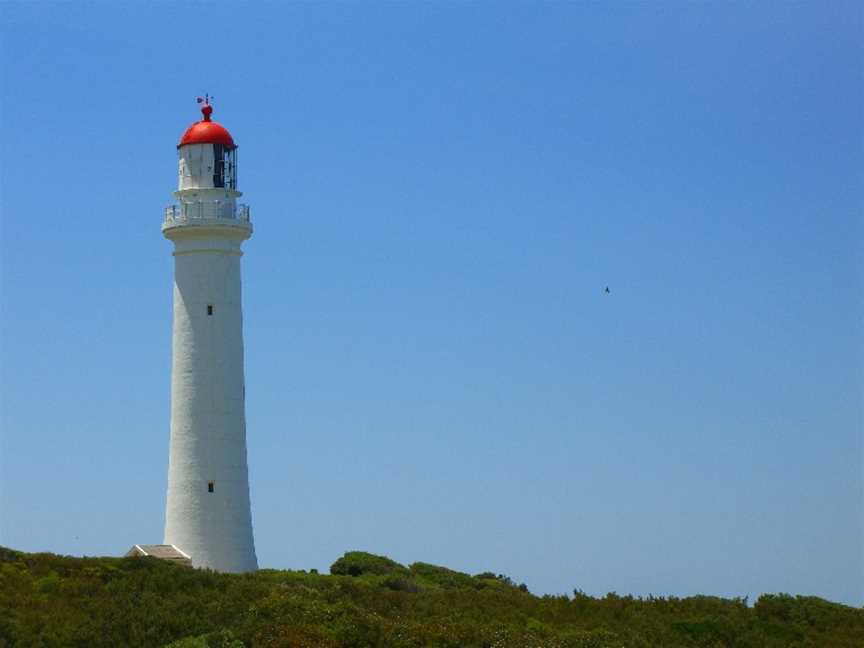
{"x": 207, "y": 514}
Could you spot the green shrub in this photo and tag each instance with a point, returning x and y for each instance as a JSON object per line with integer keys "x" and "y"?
{"x": 442, "y": 576}
{"x": 55, "y": 601}
{"x": 398, "y": 584}
{"x": 220, "y": 639}
{"x": 358, "y": 563}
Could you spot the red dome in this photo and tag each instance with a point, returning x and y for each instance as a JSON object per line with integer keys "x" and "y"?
{"x": 207, "y": 132}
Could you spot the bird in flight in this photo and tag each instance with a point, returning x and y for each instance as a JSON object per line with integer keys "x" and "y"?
{"x": 607, "y": 291}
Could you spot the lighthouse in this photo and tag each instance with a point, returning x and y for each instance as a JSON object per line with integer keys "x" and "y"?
{"x": 208, "y": 517}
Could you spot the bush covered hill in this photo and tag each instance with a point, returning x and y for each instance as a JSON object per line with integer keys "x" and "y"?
{"x": 48, "y": 600}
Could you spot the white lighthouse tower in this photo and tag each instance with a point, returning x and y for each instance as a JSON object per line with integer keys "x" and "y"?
{"x": 207, "y": 513}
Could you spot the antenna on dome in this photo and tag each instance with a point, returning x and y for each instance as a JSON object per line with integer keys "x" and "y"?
{"x": 206, "y": 109}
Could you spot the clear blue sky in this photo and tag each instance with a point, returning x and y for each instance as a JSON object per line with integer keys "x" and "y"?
{"x": 440, "y": 193}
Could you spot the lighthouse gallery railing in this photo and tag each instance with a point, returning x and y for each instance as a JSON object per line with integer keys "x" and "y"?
{"x": 206, "y": 210}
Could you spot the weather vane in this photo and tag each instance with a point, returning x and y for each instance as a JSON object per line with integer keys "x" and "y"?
{"x": 205, "y": 99}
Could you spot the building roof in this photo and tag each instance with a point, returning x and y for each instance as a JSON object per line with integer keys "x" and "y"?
{"x": 163, "y": 552}
{"x": 207, "y": 131}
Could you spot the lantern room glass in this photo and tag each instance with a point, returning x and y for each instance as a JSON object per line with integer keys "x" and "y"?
{"x": 225, "y": 166}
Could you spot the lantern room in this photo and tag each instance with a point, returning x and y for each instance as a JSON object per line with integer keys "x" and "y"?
{"x": 208, "y": 155}
{"x": 207, "y": 177}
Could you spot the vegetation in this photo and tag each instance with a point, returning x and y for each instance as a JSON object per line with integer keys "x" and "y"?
{"x": 48, "y": 600}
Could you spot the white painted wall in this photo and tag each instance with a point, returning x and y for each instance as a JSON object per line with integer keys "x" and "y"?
{"x": 208, "y": 422}
{"x": 195, "y": 169}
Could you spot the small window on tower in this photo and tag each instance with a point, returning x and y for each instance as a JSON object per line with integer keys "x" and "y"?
{"x": 209, "y": 309}
{"x": 210, "y": 487}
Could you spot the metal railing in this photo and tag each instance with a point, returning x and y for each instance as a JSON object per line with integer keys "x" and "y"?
{"x": 206, "y": 210}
